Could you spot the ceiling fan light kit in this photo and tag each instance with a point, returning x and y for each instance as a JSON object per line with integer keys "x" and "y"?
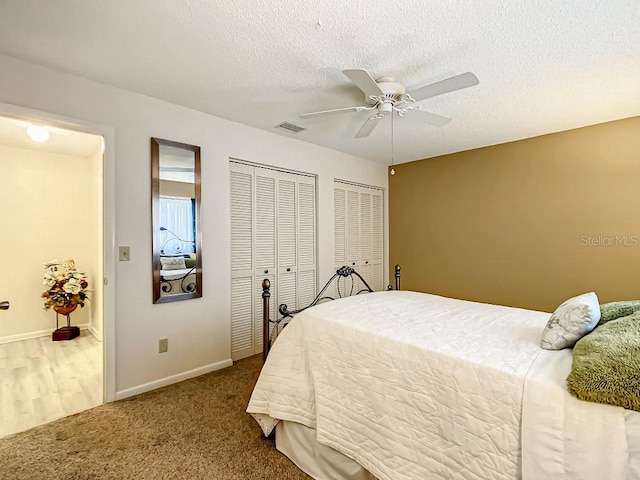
{"x": 386, "y": 96}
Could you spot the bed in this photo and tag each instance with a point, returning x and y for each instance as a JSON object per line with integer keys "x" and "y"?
{"x": 177, "y": 274}
{"x": 404, "y": 385}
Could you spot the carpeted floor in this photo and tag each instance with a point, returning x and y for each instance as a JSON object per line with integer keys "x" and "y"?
{"x": 197, "y": 429}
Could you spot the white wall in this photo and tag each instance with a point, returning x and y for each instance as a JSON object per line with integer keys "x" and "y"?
{"x": 47, "y": 210}
{"x": 199, "y": 329}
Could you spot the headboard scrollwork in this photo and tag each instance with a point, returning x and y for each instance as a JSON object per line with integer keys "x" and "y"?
{"x": 344, "y": 272}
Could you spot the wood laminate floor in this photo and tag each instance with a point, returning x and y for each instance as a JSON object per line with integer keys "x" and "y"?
{"x": 42, "y": 380}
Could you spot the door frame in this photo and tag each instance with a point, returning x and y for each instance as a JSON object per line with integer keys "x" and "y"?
{"x": 108, "y": 207}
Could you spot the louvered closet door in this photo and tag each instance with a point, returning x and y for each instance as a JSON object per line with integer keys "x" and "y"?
{"x": 366, "y": 247}
{"x": 377, "y": 222}
{"x": 358, "y": 234}
{"x": 287, "y": 237}
{"x": 265, "y": 247}
{"x": 339, "y": 237}
{"x": 242, "y": 271}
{"x": 353, "y": 228}
{"x": 353, "y": 238}
{"x": 306, "y": 240}
{"x": 273, "y": 236}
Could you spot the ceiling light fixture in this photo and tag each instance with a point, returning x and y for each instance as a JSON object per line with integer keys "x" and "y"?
{"x": 37, "y": 133}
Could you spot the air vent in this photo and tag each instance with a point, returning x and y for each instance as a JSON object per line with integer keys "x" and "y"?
{"x": 290, "y": 127}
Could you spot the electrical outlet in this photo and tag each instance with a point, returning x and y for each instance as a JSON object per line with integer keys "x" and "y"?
{"x": 163, "y": 345}
{"x": 123, "y": 254}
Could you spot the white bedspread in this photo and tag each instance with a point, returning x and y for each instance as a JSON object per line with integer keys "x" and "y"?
{"x": 416, "y": 386}
{"x": 568, "y": 439}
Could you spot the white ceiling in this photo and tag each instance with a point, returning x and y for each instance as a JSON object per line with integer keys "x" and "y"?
{"x": 177, "y": 164}
{"x": 544, "y": 66}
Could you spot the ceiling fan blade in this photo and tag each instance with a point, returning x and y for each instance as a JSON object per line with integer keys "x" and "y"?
{"x": 335, "y": 110}
{"x": 433, "y": 118}
{"x": 368, "y": 126}
{"x": 458, "y": 82}
{"x": 364, "y": 82}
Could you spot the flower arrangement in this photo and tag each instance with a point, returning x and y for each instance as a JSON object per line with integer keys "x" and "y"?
{"x": 66, "y": 286}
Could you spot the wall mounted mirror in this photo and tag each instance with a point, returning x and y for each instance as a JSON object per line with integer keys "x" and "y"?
{"x": 175, "y": 205}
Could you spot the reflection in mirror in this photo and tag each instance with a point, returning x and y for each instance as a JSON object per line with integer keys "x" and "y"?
{"x": 177, "y": 251}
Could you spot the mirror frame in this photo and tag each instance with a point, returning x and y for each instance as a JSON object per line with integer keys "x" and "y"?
{"x": 155, "y": 220}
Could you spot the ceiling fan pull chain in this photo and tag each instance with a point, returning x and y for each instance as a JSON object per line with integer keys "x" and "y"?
{"x": 393, "y": 170}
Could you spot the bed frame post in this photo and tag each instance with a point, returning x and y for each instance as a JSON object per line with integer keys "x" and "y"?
{"x": 266, "y": 294}
{"x": 397, "y": 277}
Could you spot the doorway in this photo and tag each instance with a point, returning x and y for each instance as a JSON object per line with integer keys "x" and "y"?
{"x": 51, "y": 209}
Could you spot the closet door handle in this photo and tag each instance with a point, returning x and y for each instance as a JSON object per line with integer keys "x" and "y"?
{"x": 266, "y": 271}
{"x": 367, "y": 262}
{"x": 4, "y": 305}
{"x": 353, "y": 263}
{"x": 288, "y": 269}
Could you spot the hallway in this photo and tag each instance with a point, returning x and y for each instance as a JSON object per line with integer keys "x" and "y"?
{"x": 42, "y": 380}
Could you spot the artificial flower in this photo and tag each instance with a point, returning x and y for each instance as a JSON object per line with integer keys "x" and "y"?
{"x": 66, "y": 286}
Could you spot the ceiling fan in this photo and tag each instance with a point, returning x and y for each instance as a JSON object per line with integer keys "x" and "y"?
{"x": 385, "y": 96}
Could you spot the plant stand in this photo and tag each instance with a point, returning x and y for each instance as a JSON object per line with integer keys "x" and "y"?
{"x": 67, "y": 332}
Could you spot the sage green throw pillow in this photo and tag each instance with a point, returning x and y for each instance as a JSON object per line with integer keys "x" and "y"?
{"x": 606, "y": 364}
{"x": 611, "y": 311}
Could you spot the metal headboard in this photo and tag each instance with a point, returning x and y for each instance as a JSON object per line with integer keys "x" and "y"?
{"x": 342, "y": 272}
{"x": 186, "y": 285}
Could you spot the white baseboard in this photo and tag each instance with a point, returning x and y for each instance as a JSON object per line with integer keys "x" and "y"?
{"x": 163, "y": 382}
{"x": 95, "y": 333}
{"x": 40, "y": 333}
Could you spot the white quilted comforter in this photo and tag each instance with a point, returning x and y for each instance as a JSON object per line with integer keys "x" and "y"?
{"x": 417, "y": 386}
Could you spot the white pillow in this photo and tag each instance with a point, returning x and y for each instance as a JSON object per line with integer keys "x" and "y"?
{"x": 172, "y": 263}
{"x": 571, "y": 321}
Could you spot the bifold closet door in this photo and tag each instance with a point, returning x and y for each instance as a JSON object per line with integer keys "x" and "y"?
{"x": 265, "y": 247}
{"x": 377, "y": 239}
{"x": 242, "y": 271}
{"x": 273, "y": 236}
{"x": 353, "y": 239}
{"x": 306, "y": 226}
{"x": 339, "y": 237}
{"x": 296, "y": 240}
{"x": 366, "y": 247}
{"x": 358, "y": 235}
{"x": 287, "y": 237}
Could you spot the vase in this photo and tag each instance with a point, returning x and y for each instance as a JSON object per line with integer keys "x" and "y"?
{"x": 64, "y": 309}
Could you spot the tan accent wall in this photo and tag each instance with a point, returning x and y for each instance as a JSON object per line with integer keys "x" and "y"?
{"x": 527, "y": 223}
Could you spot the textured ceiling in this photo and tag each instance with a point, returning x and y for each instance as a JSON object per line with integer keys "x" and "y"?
{"x": 543, "y": 66}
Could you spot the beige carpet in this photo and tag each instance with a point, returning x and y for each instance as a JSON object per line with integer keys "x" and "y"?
{"x": 197, "y": 429}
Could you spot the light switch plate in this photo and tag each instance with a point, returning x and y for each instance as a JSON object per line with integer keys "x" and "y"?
{"x": 123, "y": 254}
